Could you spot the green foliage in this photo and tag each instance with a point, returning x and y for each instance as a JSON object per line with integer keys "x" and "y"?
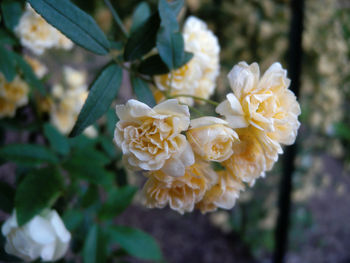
{"x": 12, "y": 11}
{"x": 153, "y": 65}
{"x": 142, "y": 91}
{"x": 141, "y": 14}
{"x": 143, "y": 39}
{"x": 102, "y": 92}
{"x": 95, "y": 246}
{"x": 136, "y": 242}
{"x": 7, "y": 195}
{"x": 80, "y": 27}
{"x": 38, "y": 190}
{"x": 118, "y": 200}
{"x": 7, "y": 64}
{"x": 58, "y": 142}
{"x": 170, "y": 43}
{"x": 29, "y": 154}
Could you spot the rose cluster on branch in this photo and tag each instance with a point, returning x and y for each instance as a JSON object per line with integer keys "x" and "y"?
{"x": 176, "y": 153}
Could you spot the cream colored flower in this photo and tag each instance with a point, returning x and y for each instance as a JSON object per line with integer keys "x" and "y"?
{"x": 12, "y": 95}
{"x": 254, "y": 154}
{"x": 211, "y": 138}
{"x": 265, "y": 103}
{"x": 45, "y": 236}
{"x": 74, "y": 78}
{"x": 180, "y": 193}
{"x": 199, "y": 75}
{"x": 39, "y": 68}
{"x": 37, "y": 35}
{"x": 222, "y": 194}
{"x": 151, "y": 139}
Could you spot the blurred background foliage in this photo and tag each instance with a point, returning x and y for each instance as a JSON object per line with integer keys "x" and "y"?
{"x": 257, "y": 30}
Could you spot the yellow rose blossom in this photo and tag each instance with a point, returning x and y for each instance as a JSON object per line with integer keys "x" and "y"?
{"x": 37, "y": 35}
{"x": 151, "y": 138}
{"x": 13, "y": 94}
{"x": 252, "y": 155}
{"x": 39, "y": 69}
{"x": 265, "y": 103}
{"x": 180, "y": 193}
{"x": 211, "y": 138}
{"x": 199, "y": 75}
{"x": 223, "y": 194}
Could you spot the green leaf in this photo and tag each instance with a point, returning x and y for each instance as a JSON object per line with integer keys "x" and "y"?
{"x": 108, "y": 146}
{"x": 85, "y": 167}
{"x": 7, "y": 38}
{"x": 112, "y": 120}
{"x": 176, "y": 6}
{"x": 103, "y": 91}
{"x": 141, "y": 14}
{"x": 143, "y": 39}
{"x": 58, "y": 142}
{"x": 342, "y": 131}
{"x": 136, "y": 242}
{"x": 77, "y": 25}
{"x": 90, "y": 196}
{"x": 29, "y": 75}
{"x": 27, "y": 154}
{"x": 170, "y": 43}
{"x": 37, "y": 191}
{"x": 7, "y": 64}
{"x": 119, "y": 199}
{"x": 72, "y": 219}
{"x": 12, "y": 11}
{"x": 142, "y": 91}
{"x": 153, "y": 65}
{"x": 7, "y": 195}
{"x": 95, "y": 249}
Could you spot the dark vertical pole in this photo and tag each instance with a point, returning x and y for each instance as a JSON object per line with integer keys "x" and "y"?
{"x": 284, "y": 202}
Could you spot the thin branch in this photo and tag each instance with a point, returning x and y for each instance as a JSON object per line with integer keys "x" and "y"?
{"x": 116, "y": 18}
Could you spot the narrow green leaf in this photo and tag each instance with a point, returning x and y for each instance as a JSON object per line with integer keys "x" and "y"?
{"x": 72, "y": 219}
{"x": 118, "y": 200}
{"x": 170, "y": 43}
{"x": 7, "y": 64}
{"x": 116, "y": 18}
{"x": 12, "y": 11}
{"x": 58, "y": 142}
{"x": 95, "y": 249}
{"x": 108, "y": 146}
{"x": 141, "y": 14}
{"x": 112, "y": 120}
{"x": 143, "y": 39}
{"x": 27, "y": 154}
{"x": 103, "y": 91}
{"x": 77, "y": 25}
{"x": 7, "y": 38}
{"x": 176, "y": 6}
{"x": 142, "y": 91}
{"x": 153, "y": 65}
{"x": 342, "y": 130}
{"x": 90, "y": 197}
{"x": 37, "y": 191}
{"x": 136, "y": 242}
{"x": 29, "y": 75}
{"x": 7, "y": 195}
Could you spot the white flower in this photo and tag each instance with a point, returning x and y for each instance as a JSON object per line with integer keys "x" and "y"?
{"x": 199, "y": 75}
{"x": 37, "y": 35}
{"x": 151, "y": 139}
{"x": 74, "y": 78}
{"x": 211, "y": 138}
{"x": 265, "y": 103}
{"x": 44, "y": 236}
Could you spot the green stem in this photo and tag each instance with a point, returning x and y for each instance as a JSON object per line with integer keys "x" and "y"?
{"x": 195, "y": 98}
{"x": 116, "y": 18}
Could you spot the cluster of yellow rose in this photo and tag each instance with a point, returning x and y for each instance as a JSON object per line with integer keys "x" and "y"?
{"x": 13, "y": 94}
{"x": 37, "y": 35}
{"x": 199, "y": 75}
{"x": 177, "y": 153}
